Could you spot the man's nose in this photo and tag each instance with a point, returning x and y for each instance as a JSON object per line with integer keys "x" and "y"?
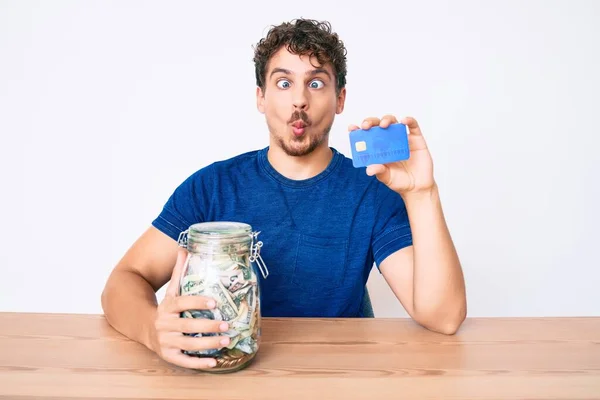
{"x": 300, "y": 100}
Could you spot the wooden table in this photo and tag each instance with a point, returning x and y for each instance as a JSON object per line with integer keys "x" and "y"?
{"x": 54, "y": 356}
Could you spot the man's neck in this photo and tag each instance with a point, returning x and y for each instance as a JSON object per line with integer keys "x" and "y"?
{"x": 300, "y": 168}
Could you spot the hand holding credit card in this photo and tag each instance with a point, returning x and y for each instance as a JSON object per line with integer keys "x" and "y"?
{"x": 394, "y": 151}
{"x": 379, "y": 145}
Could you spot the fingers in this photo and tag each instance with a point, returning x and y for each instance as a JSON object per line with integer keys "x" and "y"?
{"x": 368, "y": 123}
{"x": 191, "y": 343}
{"x": 190, "y": 325}
{"x": 186, "y": 361}
{"x": 173, "y": 287}
{"x": 382, "y": 172}
{"x": 192, "y": 302}
{"x": 193, "y": 325}
{"x": 413, "y": 126}
{"x": 376, "y": 169}
{"x": 387, "y": 120}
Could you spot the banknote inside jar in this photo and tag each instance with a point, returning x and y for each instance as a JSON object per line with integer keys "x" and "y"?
{"x": 224, "y": 273}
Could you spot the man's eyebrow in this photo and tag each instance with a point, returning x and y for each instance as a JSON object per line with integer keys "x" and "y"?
{"x": 319, "y": 71}
{"x": 281, "y": 70}
{"x": 310, "y": 73}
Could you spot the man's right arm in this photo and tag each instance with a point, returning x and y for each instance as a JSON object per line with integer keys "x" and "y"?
{"x": 129, "y": 297}
{"x": 130, "y": 305}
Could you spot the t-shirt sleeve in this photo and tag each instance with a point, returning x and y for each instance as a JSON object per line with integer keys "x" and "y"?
{"x": 392, "y": 228}
{"x": 187, "y": 204}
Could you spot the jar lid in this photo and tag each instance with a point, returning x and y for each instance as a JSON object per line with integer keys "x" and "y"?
{"x": 220, "y": 230}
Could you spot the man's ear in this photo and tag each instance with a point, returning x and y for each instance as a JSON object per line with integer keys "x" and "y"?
{"x": 341, "y": 100}
{"x": 260, "y": 100}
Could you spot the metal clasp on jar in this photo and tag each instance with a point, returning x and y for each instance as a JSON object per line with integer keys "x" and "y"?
{"x": 183, "y": 238}
{"x": 255, "y": 254}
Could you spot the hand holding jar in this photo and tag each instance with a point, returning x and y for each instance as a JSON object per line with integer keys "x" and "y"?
{"x": 169, "y": 342}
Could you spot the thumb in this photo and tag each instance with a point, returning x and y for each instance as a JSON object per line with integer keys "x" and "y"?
{"x": 173, "y": 287}
{"x": 381, "y": 171}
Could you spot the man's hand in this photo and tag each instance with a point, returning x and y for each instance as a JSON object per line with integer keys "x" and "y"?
{"x": 404, "y": 177}
{"x": 167, "y": 338}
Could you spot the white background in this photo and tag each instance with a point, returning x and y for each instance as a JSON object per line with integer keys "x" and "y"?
{"x": 105, "y": 107}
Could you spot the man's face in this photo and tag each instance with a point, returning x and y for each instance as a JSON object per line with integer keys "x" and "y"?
{"x": 299, "y": 102}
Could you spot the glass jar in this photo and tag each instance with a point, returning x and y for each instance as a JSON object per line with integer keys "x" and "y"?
{"x": 221, "y": 264}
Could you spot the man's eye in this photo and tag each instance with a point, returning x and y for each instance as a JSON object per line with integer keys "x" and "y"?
{"x": 283, "y": 84}
{"x": 316, "y": 84}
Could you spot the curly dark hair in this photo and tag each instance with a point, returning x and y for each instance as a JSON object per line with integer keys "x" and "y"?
{"x": 302, "y": 37}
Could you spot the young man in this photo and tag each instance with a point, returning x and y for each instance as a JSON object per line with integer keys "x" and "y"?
{"x": 324, "y": 223}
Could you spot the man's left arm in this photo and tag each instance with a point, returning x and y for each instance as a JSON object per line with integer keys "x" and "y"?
{"x": 426, "y": 277}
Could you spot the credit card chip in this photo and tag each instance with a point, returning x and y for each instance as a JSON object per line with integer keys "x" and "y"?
{"x": 361, "y": 146}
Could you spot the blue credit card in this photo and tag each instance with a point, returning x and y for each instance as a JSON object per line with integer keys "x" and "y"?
{"x": 379, "y": 145}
